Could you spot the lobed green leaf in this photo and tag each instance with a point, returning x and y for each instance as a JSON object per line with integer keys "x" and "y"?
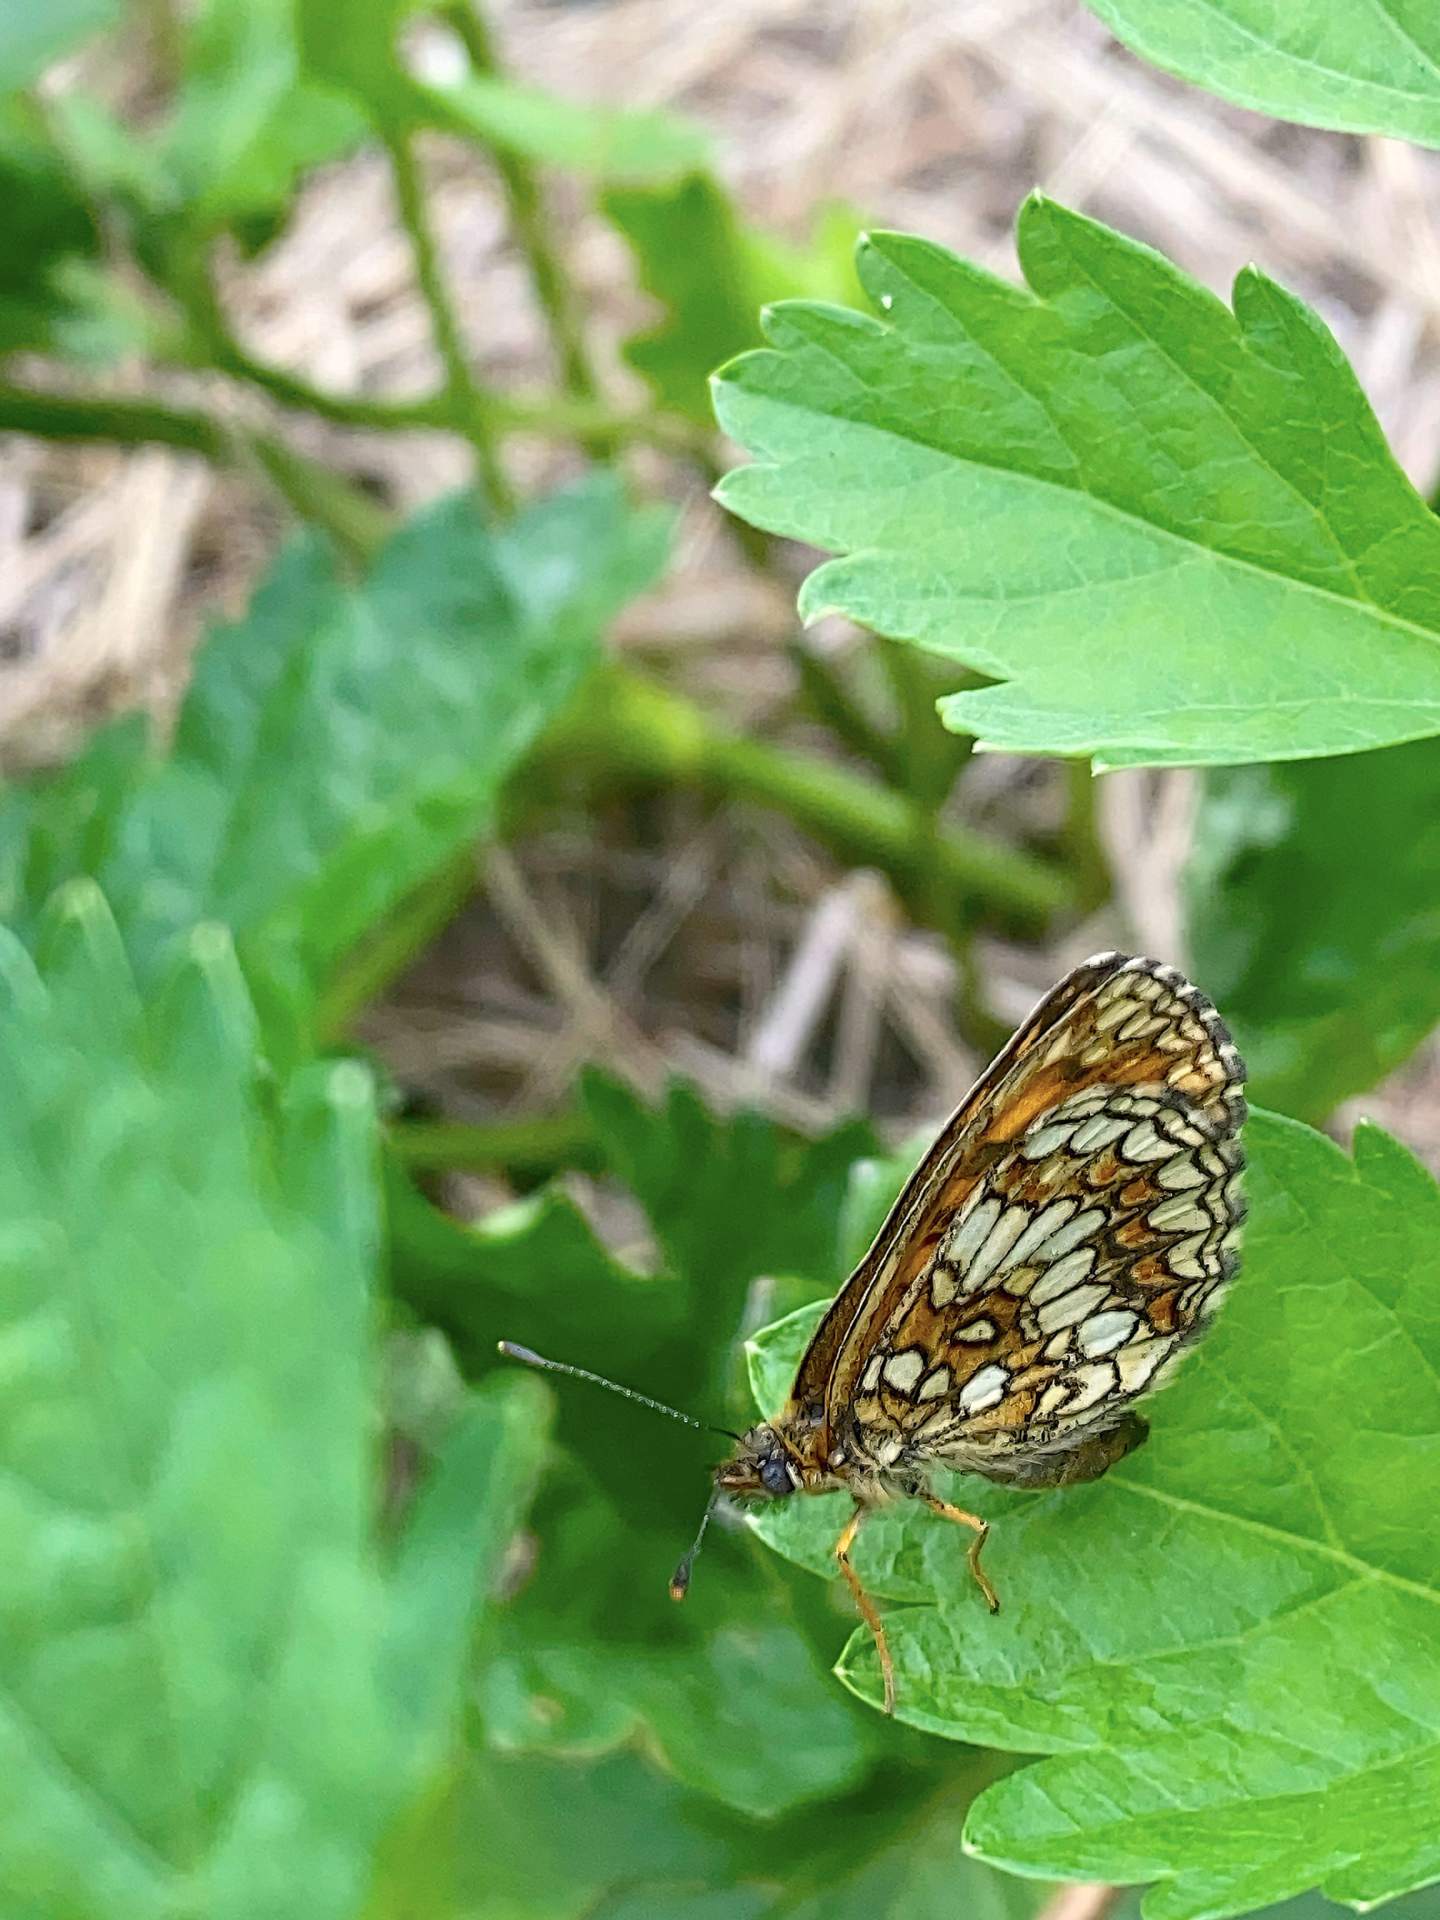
{"x": 711, "y": 272}
{"x": 1360, "y": 69}
{"x": 215, "y": 1698}
{"x": 1227, "y": 1645}
{"x": 344, "y": 742}
{"x": 1169, "y": 531}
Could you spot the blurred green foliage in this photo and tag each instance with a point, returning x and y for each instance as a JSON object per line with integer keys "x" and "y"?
{"x": 286, "y": 1634}
{"x": 1314, "y": 915}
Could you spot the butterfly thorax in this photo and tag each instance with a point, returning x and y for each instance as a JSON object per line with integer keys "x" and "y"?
{"x": 777, "y": 1459}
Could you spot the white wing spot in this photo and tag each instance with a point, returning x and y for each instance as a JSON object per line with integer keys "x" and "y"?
{"x": 1142, "y": 1026}
{"x": 1117, "y": 1011}
{"x": 1137, "y": 1363}
{"x": 1062, "y": 1276}
{"x": 904, "y": 1369}
{"x": 998, "y": 1243}
{"x": 1103, "y": 1332}
{"x": 984, "y": 1390}
{"x": 1143, "y": 1143}
{"x": 1071, "y": 1307}
{"x": 1184, "y": 1258}
{"x": 937, "y": 1385}
{"x": 979, "y": 1331}
{"x": 1039, "y": 1146}
{"x": 1091, "y": 1383}
{"x": 1067, "y": 1237}
{"x": 963, "y": 1240}
{"x": 1097, "y": 1133}
{"x": 1038, "y": 1232}
{"x": 943, "y": 1287}
{"x": 1181, "y": 1174}
{"x": 1180, "y": 1215}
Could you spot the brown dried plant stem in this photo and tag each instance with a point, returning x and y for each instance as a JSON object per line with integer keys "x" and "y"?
{"x": 1088, "y": 1901}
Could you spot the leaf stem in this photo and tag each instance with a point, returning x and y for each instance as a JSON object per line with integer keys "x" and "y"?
{"x": 625, "y": 728}
{"x": 1081, "y": 837}
{"x": 470, "y": 403}
{"x": 537, "y": 1144}
{"x": 556, "y": 416}
{"x": 316, "y": 492}
{"x": 391, "y": 946}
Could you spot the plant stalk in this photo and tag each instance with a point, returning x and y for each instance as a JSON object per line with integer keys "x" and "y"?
{"x": 316, "y": 492}
{"x": 471, "y": 403}
{"x": 626, "y": 729}
{"x": 530, "y": 222}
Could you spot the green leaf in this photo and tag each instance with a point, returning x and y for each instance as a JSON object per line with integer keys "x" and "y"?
{"x": 532, "y": 1271}
{"x": 1040, "y": 482}
{"x": 31, "y": 37}
{"x": 590, "y": 1651}
{"x": 1313, "y": 918}
{"x": 613, "y": 1839}
{"x": 607, "y": 142}
{"x": 711, "y": 273}
{"x": 1357, "y": 68}
{"x": 730, "y": 1204}
{"x": 248, "y": 123}
{"x": 452, "y": 1550}
{"x": 1227, "y": 1645}
{"x": 343, "y": 743}
{"x": 215, "y": 1701}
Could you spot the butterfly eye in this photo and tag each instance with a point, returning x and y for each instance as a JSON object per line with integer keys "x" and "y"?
{"x": 775, "y": 1475}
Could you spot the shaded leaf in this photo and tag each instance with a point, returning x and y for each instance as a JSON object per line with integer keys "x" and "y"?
{"x": 1227, "y": 1645}
{"x": 730, "y": 1202}
{"x": 590, "y": 1651}
{"x": 248, "y": 122}
{"x": 1358, "y": 69}
{"x": 1038, "y": 482}
{"x": 613, "y": 1839}
{"x": 1313, "y": 899}
{"x": 49, "y": 229}
{"x": 712, "y": 272}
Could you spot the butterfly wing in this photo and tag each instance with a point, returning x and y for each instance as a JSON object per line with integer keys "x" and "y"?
{"x": 1068, "y": 1233}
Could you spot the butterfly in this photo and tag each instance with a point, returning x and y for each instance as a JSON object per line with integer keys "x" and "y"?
{"x": 1066, "y": 1238}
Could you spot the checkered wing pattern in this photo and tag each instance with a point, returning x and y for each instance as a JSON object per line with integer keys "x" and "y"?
{"x": 1067, "y": 1236}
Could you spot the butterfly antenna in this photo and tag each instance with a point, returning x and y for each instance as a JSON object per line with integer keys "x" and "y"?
{"x": 513, "y": 1352}
{"x": 680, "y": 1579}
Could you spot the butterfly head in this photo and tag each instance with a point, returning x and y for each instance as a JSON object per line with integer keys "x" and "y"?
{"x": 761, "y": 1468}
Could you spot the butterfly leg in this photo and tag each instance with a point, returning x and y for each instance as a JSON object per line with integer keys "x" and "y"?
{"x": 869, "y": 1613}
{"x": 981, "y": 1529}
